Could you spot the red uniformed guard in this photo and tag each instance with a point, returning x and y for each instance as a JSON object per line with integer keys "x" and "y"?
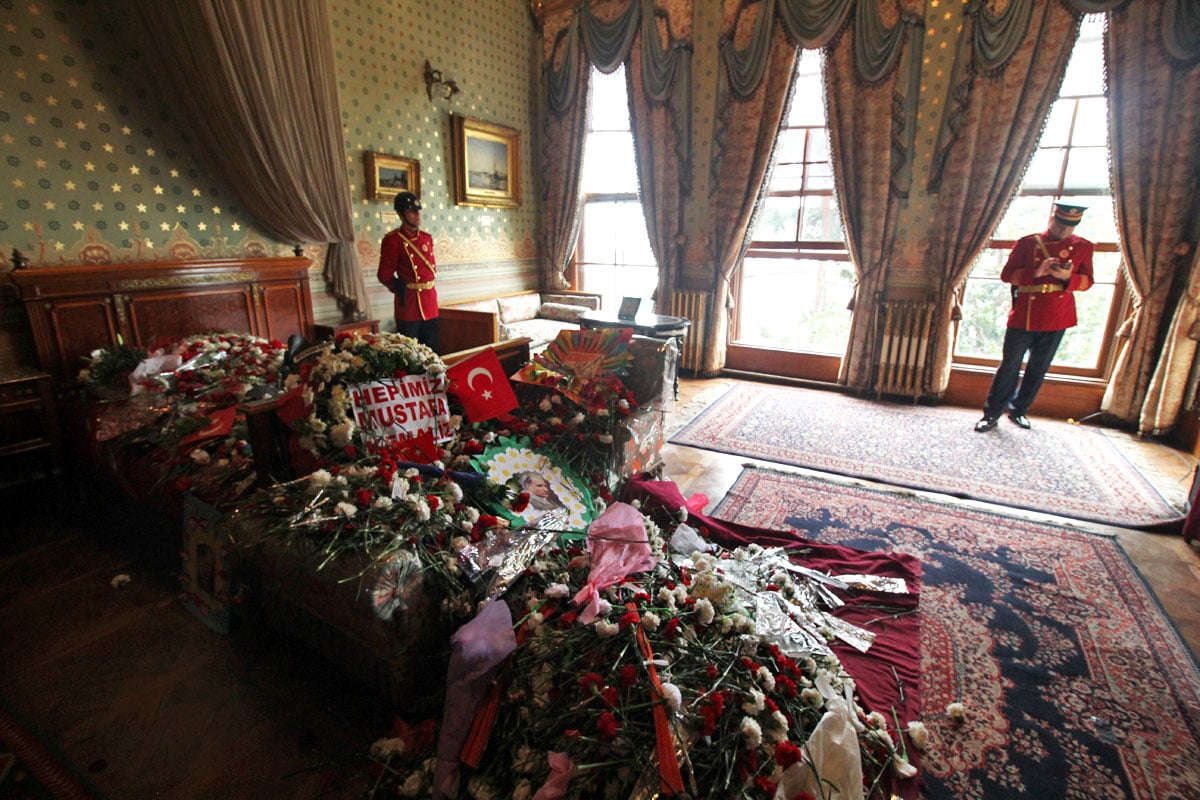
{"x": 1045, "y": 270}
{"x": 407, "y": 267}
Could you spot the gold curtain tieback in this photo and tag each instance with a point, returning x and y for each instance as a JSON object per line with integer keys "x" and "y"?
{"x": 1039, "y": 288}
{"x": 421, "y": 286}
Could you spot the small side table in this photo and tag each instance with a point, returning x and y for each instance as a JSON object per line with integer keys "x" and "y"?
{"x": 29, "y": 417}
{"x": 658, "y": 326}
{"x": 323, "y": 332}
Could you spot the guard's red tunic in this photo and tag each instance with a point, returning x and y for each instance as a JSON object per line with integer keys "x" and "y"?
{"x": 409, "y": 259}
{"x": 1046, "y": 303}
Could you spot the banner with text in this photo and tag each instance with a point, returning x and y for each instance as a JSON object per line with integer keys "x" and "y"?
{"x": 401, "y": 409}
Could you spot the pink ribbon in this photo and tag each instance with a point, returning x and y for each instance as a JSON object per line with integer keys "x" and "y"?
{"x": 619, "y": 546}
{"x": 562, "y": 770}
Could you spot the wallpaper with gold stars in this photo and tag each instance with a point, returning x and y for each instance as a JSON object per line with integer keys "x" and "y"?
{"x": 97, "y": 166}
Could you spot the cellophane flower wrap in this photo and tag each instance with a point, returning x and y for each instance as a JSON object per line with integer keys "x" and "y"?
{"x": 212, "y": 373}
{"x": 574, "y": 708}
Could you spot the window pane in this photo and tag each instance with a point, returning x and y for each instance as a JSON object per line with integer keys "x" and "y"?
{"x": 1099, "y": 223}
{"x": 808, "y": 97}
{"x": 822, "y": 222}
{"x": 820, "y": 177}
{"x": 1087, "y": 168}
{"x": 1091, "y": 123}
{"x": 610, "y": 109}
{"x": 796, "y": 304}
{"x": 616, "y": 234}
{"x": 1082, "y": 77}
{"x": 1045, "y": 169}
{"x": 1083, "y": 344}
{"x": 608, "y": 166}
{"x": 818, "y": 144}
{"x": 777, "y": 220}
{"x": 1057, "y": 131}
{"x": 788, "y": 177}
{"x": 790, "y": 146}
{"x": 1028, "y": 214}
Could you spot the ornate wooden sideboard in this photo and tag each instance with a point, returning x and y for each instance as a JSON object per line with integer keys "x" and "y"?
{"x": 76, "y": 309}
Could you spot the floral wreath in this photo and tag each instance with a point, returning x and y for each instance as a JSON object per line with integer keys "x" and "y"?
{"x": 326, "y": 426}
{"x": 506, "y": 460}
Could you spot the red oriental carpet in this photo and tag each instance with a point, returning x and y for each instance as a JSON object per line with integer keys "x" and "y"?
{"x": 1074, "y": 682}
{"x": 1057, "y": 468}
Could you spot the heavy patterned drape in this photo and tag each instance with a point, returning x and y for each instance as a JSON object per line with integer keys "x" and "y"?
{"x": 268, "y": 67}
{"x": 1152, "y": 54}
{"x": 653, "y": 43}
{"x": 866, "y": 97}
{"x": 871, "y": 106}
{"x": 1005, "y": 77}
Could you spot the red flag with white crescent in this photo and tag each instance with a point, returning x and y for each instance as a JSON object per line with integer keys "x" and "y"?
{"x": 481, "y": 386}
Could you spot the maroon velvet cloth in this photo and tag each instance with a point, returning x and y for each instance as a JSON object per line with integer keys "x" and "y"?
{"x": 888, "y": 675}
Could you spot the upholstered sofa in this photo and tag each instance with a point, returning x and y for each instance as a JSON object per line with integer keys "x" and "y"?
{"x": 539, "y": 316}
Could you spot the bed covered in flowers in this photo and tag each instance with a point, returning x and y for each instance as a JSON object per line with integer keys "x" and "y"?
{"x": 594, "y": 633}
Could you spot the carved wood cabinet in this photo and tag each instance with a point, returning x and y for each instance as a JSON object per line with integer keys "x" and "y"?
{"x": 74, "y": 310}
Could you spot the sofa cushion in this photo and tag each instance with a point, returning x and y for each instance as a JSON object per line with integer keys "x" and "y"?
{"x": 518, "y": 307}
{"x": 592, "y": 302}
{"x": 563, "y": 312}
{"x": 539, "y": 331}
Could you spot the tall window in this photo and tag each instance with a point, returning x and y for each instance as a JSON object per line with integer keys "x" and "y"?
{"x": 1071, "y": 162}
{"x": 613, "y": 256}
{"x": 797, "y": 279}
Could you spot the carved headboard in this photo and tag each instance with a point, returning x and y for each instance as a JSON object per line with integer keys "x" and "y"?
{"x": 74, "y": 310}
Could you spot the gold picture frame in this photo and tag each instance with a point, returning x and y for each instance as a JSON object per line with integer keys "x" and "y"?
{"x": 487, "y": 163}
{"x": 388, "y": 176}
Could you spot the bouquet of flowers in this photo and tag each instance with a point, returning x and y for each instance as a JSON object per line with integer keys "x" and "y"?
{"x": 216, "y": 369}
{"x": 705, "y": 671}
{"x": 108, "y": 369}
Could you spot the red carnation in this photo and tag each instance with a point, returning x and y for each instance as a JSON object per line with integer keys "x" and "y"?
{"x": 628, "y": 676}
{"x": 590, "y": 684}
{"x": 521, "y": 502}
{"x": 628, "y": 620}
{"x": 786, "y": 754}
{"x": 610, "y": 695}
{"x": 608, "y": 726}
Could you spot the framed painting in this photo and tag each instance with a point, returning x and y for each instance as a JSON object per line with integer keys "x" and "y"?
{"x": 487, "y": 163}
{"x": 387, "y": 176}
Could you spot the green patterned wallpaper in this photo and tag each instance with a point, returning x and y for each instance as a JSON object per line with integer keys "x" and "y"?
{"x": 97, "y": 166}
{"x": 487, "y": 47}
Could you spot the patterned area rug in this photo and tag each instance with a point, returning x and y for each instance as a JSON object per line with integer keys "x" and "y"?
{"x": 28, "y": 769}
{"x": 1074, "y": 682}
{"x": 1056, "y": 467}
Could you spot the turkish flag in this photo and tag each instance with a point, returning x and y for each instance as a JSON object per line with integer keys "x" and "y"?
{"x": 481, "y": 386}
{"x": 220, "y": 422}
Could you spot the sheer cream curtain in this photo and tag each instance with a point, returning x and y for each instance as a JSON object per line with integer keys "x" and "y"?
{"x": 1152, "y": 55}
{"x": 257, "y": 85}
{"x": 647, "y": 38}
{"x": 758, "y": 56}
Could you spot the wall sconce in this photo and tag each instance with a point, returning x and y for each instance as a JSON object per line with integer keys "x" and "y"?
{"x": 446, "y": 87}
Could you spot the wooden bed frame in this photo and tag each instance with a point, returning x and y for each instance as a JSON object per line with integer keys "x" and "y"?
{"x": 74, "y": 310}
